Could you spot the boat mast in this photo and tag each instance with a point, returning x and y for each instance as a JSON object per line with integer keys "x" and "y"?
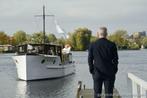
{"x": 44, "y": 22}
{"x": 44, "y": 41}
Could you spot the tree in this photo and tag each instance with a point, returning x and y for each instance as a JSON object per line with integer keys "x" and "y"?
{"x": 20, "y": 37}
{"x": 61, "y": 41}
{"x": 144, "y": 42}
{"x": 71, "y": 40}
{"x": 133, "y": 45}
{"x": 138, "y": 41}
{"x": 81, "y": 38}
{"x": 38, "y": 38}
{"x": 4, "y": 39}
{"x": 52, "y": 38}
{"x": 93, "y": 39}
{"x": 120, "y": 38}
{"x": 12, "y": 40}
{"x": 29, "y": 38}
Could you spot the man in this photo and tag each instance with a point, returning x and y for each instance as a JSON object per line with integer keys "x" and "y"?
{"x": 66, "y": 49}
{"x": 103, "y": 61}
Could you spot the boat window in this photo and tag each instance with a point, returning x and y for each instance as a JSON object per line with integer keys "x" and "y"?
{"x": 34, "y": 49}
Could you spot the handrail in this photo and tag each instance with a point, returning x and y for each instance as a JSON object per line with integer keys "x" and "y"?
{"x": 138, "y": 84}
{"x": 138, "y": 80}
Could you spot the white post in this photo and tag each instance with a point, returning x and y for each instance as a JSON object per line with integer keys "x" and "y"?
{"x": 142, "y": 92}
{"x": 139, "y": 86}
{"x": 134, "y": 90}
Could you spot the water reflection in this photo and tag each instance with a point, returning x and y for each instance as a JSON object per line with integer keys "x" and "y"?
{"x": 59, "y": 88}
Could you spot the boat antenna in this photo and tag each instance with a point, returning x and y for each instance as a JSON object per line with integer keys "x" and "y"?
{"x": 44, "y": 22}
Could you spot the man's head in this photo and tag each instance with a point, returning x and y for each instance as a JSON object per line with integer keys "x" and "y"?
{"x": 102, "y": 32}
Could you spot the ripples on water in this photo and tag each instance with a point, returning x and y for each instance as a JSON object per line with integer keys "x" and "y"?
{"x": 11, "y": 87}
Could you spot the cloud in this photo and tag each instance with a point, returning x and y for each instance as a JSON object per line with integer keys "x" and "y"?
{"x": 129, "y": 14}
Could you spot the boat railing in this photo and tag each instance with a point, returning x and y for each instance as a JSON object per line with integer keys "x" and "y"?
{"x": 139, "y": 86}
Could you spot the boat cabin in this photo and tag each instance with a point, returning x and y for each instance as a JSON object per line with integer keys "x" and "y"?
{"x": 43, "y": 49}
{"x": 35, "y": 49}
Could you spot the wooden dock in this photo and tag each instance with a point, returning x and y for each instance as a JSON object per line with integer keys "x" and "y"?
{"x": 83, "y": 92}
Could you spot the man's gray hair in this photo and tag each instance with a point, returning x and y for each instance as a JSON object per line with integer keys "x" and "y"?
{"x": 103, "y": 31}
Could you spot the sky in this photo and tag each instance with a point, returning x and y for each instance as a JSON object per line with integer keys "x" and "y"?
{"x": 130, "y": 15}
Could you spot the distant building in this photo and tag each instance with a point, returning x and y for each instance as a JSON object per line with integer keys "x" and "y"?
{"x": 139, "y": 34}
{"x": 6, "y": 48}
{"x": 143, "y": 33}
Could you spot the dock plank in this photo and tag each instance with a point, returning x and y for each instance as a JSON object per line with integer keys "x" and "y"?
{"x": 89, "y": 93}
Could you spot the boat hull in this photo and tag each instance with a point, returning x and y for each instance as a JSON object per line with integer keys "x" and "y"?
{"x": 35, "y": 67}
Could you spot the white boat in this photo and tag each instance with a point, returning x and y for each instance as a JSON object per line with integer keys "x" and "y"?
{"x": 43, "y": 61}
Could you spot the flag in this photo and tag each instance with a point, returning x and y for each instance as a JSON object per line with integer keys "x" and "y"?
{"x": 58, "y": 28}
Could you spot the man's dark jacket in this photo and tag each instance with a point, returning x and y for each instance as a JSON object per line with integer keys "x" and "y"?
{"x": 103, "y": 57}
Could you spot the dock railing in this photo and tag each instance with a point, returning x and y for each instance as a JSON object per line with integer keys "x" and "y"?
{"x": 139, "y": 86}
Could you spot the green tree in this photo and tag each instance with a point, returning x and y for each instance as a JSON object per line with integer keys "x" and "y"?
{"x": 72, "y": 40}
{"x": 93, "y": 39}
{"x": 20, "y": 37}
{"x": 144, "y": 42}
{"x": 61, "y": 41}
{"x": 4, "y": 39}
{"x": 52, "y": 38}
{"x": 12, "y": 40}
{"x": 120, "y": 38}
{"x": 133, "y": 45}
{"x": 38, "y": 38}
{"x": 138, "y": 41}
{"x": 80, "y": 39}
{"x": 29, "y": 38}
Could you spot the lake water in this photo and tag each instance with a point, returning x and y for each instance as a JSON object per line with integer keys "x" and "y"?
{"x": 11, "y": 87}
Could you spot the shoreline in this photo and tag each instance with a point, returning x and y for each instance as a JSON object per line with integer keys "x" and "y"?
{"x": 87, "y": 50}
